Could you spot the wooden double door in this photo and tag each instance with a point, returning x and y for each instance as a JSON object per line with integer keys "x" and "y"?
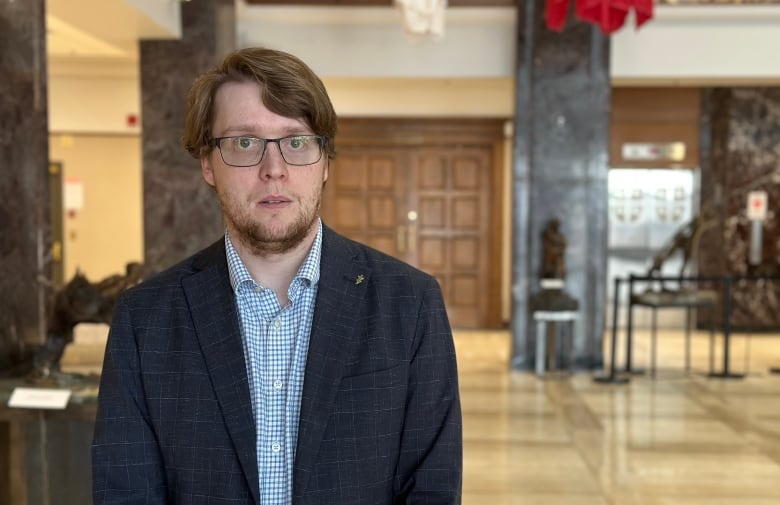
{"x": 429, "y": 199}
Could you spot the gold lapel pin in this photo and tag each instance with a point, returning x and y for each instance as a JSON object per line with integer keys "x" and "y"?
{"x": 360, "y": 278}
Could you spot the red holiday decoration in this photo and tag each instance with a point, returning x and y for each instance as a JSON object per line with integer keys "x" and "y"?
{"x": 557, "y": 11}
{"x": 609, "y": 15}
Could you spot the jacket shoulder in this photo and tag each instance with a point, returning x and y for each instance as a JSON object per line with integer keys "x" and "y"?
{"x": 171, "y": 278}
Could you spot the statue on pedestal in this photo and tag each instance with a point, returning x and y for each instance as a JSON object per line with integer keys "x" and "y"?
{"x": 80, "y": 301}
{"x": 552, "y": 272}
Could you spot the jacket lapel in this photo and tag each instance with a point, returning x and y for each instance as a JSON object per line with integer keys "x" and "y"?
{"x": 332, "y": 345}
{"x": 212, "y": 305}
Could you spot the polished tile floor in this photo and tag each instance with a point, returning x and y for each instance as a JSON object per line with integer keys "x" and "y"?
{"x": 676, "y": 439}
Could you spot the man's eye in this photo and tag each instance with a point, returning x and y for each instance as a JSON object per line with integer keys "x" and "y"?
{"x": 244, "y": 142}
{"x": 297, "y": 142}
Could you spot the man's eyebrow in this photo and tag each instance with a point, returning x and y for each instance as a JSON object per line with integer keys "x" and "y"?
{"x": 250, "y": 131}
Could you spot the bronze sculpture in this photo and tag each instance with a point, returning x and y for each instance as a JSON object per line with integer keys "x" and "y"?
{"x": 553, "y": 257}
{"x": 685, "y": 240}
{"x": 79, "y": 301}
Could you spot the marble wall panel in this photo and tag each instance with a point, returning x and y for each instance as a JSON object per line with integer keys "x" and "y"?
{"x": 560, "y": 170}
{"x": 741, "y": 142}
{"x": 181, "y": 212}
{"x": 24, "y": 194}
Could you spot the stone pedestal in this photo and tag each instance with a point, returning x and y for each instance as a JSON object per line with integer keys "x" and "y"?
{"x": 552, "y": 297}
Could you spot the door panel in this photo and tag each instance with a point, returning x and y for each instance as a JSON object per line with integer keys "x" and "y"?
{"x": 453, "y": 229}
{"x": 361, "y": 197}
{"x": 429, "y": 204}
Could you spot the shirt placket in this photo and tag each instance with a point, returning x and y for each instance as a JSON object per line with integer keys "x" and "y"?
{"x": 275, "y": 388}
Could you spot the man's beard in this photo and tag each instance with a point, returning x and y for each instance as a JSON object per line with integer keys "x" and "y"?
{"x": 260, "y": 239}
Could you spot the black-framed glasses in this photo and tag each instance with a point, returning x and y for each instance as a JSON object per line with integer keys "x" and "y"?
{"x": 248, "y": 151}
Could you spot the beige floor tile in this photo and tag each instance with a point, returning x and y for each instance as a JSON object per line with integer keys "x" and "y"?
{"x": 676, "y": 439}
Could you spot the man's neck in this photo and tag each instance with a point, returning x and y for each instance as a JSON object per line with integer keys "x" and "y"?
{"x": 275, "y": 271}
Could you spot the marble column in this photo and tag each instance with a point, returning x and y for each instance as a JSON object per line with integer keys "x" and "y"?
{"x": 24, "y": 193}
{"x": 181, "y": 212}
{"x": 560, "y": 171}
{"x": 24, "y": 197}
{"x": 740, "y": 154}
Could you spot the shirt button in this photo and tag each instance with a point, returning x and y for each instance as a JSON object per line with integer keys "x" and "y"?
{"x": 259, "y": 289}
{"x": 277, "y": 323}
{"x": 276, "y": 447}
{"x": 277, "y": 384}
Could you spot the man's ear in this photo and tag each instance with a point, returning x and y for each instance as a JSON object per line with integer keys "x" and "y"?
{"x": 206, "y": 169}
{"x": 325, "y": 171}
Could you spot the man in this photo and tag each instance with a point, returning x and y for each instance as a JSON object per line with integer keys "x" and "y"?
{"x": 284, "y": 363}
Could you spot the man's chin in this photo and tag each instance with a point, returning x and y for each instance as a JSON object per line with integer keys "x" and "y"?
{"x": 273, "y": 240}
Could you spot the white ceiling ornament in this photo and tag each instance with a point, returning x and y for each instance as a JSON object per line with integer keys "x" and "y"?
{"x": 423, "y": 17}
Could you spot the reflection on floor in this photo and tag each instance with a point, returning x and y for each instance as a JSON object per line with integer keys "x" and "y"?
{"x": 676, "y": 439}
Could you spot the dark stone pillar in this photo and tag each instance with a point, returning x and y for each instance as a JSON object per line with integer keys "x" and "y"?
{"x": 24, "y": 198}
{"x": 24, "y": 193}
{"x": 560, "y": 171}
{"x": 740, "y": 155}
{"x": 181, "y": 213}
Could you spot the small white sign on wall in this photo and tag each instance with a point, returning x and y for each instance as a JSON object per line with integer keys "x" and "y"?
{"x": 647, "y": 151}
{"x": 757, "y": 205}
{"x": 73, "y": 194}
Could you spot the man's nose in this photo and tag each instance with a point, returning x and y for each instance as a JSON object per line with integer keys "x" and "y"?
{"x": 272, "y": 163}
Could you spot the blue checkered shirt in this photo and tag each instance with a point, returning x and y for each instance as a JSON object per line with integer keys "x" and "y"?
{"x": 276, "y": 342}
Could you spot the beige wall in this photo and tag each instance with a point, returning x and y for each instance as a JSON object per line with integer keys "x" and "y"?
{"x": 397, "y": 97}
{"x": 101, "y": 237}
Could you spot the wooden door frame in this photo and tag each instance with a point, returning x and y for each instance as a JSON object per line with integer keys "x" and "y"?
{"x": 386, "y": 132}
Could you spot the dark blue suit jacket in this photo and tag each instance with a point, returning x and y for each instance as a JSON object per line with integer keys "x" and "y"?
{"x": 380, "y": 418}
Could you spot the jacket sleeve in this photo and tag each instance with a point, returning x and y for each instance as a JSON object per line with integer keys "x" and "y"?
{"x": 126, "y": 463}
{"x": 431, "y": 460}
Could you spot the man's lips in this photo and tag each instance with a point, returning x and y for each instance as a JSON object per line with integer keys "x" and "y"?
{"x": 274, "y": 201}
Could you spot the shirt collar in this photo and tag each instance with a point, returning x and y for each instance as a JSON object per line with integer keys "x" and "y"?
{"x": 308, "y": 272}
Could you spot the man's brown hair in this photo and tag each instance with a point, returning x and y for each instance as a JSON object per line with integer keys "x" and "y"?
{"x": 288, "y": 87}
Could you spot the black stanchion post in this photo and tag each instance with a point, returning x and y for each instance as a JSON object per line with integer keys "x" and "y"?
{"x": 725, "y": 373}
{"x": 612, "y": 377}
